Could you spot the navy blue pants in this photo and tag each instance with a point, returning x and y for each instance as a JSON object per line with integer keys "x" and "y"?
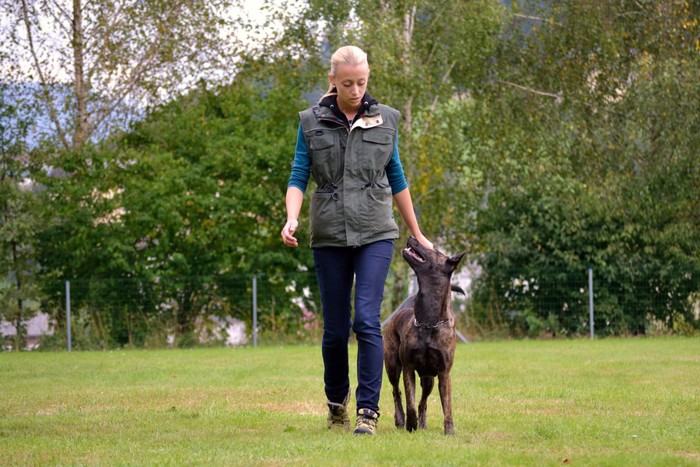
{"x": 336, "y": 267}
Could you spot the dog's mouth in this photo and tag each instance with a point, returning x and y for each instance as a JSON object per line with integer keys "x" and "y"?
{"x": 414, "y": 254}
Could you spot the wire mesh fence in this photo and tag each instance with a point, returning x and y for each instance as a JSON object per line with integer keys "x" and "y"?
{"x": 245, "y": 308}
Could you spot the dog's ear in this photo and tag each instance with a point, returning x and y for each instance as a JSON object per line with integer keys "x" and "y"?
{"x": 454, "y": 260}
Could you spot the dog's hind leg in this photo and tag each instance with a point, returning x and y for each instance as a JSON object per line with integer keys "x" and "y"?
{"x": 409, "y": 382}
{"x": 399, "y": 419}
{"x": 445, "y": 386}
{"x": 426, "y": 383}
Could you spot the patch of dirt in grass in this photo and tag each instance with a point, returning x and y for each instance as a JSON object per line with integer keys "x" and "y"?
{"x": 48, "y": 411}
{"x": 299, "y": 407}
{"x": 543, "y": 411}
{"x": 694, "y": 455}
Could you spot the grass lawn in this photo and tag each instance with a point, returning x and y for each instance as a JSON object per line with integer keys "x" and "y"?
{"x": 603, "y": 402}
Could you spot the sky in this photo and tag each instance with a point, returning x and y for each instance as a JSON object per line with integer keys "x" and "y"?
{"x": 251, "y": 9}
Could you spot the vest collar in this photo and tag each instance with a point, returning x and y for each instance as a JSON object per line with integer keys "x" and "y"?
{"x": 368, "y": 121}
{"x": 328, "y": 106}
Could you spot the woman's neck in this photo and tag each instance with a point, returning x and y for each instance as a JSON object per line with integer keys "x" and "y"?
{"x": 349, "y": 112}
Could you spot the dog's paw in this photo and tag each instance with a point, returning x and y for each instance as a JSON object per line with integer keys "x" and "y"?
{"x": 422, "y": 423}
{"x": 411, "y": 423}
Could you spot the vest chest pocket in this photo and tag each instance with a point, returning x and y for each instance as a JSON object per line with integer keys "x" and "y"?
{"x": 377, "y": 147}
{"x": 324, "y": 156}
{"x": 320, "y": 140}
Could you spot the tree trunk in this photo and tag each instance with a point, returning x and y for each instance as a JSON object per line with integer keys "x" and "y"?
{"x": 409, "y": 21}
{"x": 19, "y": 334}
{"x": 185, "y": 318}
{"x": 401, "y": 271}
{"x": 82, "y": 130}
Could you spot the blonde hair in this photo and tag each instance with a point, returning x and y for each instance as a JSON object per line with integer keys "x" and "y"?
{"x": 346, "y": 55}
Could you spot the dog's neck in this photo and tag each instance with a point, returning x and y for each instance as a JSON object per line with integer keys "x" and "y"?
{"x": 430, "y": 309}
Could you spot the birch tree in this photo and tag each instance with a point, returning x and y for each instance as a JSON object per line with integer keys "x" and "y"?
{"x": 94, "y": 64}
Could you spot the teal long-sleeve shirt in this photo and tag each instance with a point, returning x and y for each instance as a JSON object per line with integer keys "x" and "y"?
{"x": 301, "y": 167}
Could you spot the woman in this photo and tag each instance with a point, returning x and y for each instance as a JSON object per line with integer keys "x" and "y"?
{"x": 349, "y": 142}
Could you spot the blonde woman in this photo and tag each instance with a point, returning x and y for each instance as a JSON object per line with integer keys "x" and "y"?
{"x": 349, "y": 143}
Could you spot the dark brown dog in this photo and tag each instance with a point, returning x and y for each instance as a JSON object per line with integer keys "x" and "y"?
{"x": 421, "y": 337}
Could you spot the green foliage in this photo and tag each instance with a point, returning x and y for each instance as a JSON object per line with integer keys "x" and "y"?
{"x": 19, "y": 223}
{"x": 423, "y": 54}
{"x": 589, "y": 145}
{"x": 547, "y": 139}
{"x": 167, "y": 214}
{"x": 446, "y": 190}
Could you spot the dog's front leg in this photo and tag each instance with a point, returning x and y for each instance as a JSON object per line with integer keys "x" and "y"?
{"x": 445, "y": 386}
{"x": 409, "y": 382}
{"x": 426, "y": 384}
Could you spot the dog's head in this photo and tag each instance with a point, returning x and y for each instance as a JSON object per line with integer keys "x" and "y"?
{"x": 430, "y": 263}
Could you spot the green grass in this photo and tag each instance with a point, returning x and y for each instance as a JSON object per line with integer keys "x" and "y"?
{"x": 604, "y": 402}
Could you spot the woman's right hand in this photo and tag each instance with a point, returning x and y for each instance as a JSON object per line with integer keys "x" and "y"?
{"x": 424, "y": 241}
{"x": 288, "y": 233}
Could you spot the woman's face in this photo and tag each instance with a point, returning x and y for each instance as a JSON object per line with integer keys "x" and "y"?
{"x": 351, "y": 83}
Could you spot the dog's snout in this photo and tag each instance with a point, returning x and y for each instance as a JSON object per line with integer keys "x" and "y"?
{"x": 414, "y": 254}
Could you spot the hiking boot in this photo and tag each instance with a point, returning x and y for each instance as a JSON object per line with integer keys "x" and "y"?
{"x": 338, "y": 417}
{"x": 366, "y": 422}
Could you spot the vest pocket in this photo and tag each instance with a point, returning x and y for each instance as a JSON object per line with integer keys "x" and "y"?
{"x": 326, "y": 220}
{"x": 325, "y": 161}
{"x": 377, "y": 147}
{"x": 381, "y": 212}
{"x": 321, "y": 141}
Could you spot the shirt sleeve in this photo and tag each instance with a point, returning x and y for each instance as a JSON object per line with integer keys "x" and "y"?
{"x": 394, "y": 170}
{"x": 301, "y": 167}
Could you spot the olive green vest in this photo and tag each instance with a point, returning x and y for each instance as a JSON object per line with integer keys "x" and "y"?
{"x": 352, "y": 205}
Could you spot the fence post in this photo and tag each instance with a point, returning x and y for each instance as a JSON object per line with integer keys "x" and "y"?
{"x": 255, "y": 310}
{"x": 68, "y": 333}
{"x": 590, "y": 301}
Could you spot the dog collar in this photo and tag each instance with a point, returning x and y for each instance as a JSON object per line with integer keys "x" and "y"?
{"x": 425, "y": 325}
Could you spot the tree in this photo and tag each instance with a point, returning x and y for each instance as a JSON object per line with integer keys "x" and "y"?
{"x": 107, "y": 66}
{"x": 185, "y": 207}
{"x": 589, "y": 125}
{"x": 422, "y": 54}
{"x": 96, "y": 64}
{"x": 19, "y": 294}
